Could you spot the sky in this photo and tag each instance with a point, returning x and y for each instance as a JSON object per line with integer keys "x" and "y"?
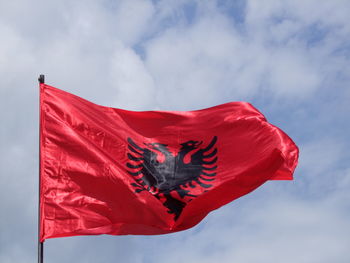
{"x": 290, "y": 59}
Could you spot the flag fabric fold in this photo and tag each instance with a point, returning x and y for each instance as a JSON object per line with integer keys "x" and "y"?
{"x": 112, "y": 171}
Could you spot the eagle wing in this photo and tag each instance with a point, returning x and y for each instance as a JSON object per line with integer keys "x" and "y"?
{"x": 205, "y": 162}
{"x": 143, "y": 166}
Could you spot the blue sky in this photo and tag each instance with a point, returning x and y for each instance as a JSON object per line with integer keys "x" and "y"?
{"x": 291, "y": 59}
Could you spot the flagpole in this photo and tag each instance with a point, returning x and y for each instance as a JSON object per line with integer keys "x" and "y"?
{"x": 41, "y": 80}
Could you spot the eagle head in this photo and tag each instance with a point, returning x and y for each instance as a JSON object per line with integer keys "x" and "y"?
{"x": 190, "y": 145}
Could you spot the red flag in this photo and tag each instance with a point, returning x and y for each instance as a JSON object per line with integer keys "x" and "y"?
{"x": 112, "y": 171}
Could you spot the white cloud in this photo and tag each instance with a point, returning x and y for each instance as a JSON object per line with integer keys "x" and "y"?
{"x": 281, "y": 227}
{"x": 321, "y": 155}
{"x": 290, "y": 73}
{"x": 132, "y": 19}
{"x": 214, "y": 58}
{"x": 135, "y": 85}
{"x": 186, "y": 63}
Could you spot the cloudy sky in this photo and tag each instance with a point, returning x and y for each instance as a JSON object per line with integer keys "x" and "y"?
{"x": 291, "y": 59}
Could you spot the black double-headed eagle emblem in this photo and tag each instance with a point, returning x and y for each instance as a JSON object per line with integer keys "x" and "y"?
{"x": 170, "y": 177}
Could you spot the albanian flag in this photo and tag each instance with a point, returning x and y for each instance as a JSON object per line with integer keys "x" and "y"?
{"x": 118, "y": 172}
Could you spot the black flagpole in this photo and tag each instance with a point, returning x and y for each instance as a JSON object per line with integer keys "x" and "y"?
{"x": 41, "y": 80}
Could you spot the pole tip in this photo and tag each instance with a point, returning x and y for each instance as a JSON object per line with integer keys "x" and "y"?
{"x": 41, "y": 79}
